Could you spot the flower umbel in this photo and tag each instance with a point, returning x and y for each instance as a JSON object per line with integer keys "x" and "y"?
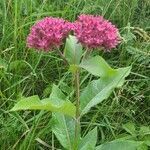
{"x": 95, "y": 31}
{"x": 48, "y": 33}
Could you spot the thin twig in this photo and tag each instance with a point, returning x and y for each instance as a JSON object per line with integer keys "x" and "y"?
{"x": 77, "y": 123}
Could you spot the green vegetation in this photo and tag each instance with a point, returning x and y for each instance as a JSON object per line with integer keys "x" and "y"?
{"x": 25, "y": 72}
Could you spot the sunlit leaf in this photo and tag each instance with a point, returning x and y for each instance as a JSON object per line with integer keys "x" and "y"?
{"x": 100, "y": 89}
{"x": 34, "y": 103}
{"x": 120, "y": 145}
{"x": 97, "y": 66}
{"x": 73, "y": 50}
{"x": 87, "y": 143}
{"x": 64, "y": 126}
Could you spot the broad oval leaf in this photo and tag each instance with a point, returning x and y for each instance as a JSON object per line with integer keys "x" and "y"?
{"x": 87, "y": 143}
{"x": 73, "y": 50}
{"x": 100, "y": 89}
{"x": 64, "y": 126}
{"x": 34, "y": 103}
{"x": 120, "y": 145}
{"x": 97, "y": 66}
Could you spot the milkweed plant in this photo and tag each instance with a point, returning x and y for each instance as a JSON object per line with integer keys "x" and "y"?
{"x": 80, "y": 39}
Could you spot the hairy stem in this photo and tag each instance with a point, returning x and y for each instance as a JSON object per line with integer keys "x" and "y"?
{"x": 77, "y": 123}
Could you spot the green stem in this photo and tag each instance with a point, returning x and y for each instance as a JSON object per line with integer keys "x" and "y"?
{"x": 77, "y": 123}
{"x": 86, "y": 54}
{"x": 61, "y": 55}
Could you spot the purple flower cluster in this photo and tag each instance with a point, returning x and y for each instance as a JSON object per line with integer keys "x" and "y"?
{"x": 48, "y": 33}
{"x": 91, "y": 31}
{"x": 95, "y": 31}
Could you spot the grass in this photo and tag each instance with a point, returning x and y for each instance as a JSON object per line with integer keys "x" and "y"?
{"x": 31, "y": 73}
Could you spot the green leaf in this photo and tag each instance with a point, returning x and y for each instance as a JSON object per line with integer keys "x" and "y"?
{"x": 63, "y": 129}
{"x": 87, "y": 143}
{"x": 64, "y": 126}
{"x": 34, "y": 103}
{"x": 120, "y": 145}
{"x": 130, "y": 128}
{"x": 97, "y": 66}
{"x": 57, "y": 96}
{"x": 87, "y": 146}
{"x": 73, "y": 50}
{"x": 100, "y": 89}
{"x": 143, "y": 147}
{"x": 144, "y": 134}
{"x": 146, "y": 139}
{"x": 144, "y": 130}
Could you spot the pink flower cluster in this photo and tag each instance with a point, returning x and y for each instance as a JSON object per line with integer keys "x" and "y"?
{"x": 91, "y": 31}
{"x": 48, "y": 33}
{"x": 95, "y": 31}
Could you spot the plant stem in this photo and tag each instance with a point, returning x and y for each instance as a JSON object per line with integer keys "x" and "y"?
{"x": 86, "y": 54}
{"x": 77, "y": 123}
{"x": 61, "y": 55}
